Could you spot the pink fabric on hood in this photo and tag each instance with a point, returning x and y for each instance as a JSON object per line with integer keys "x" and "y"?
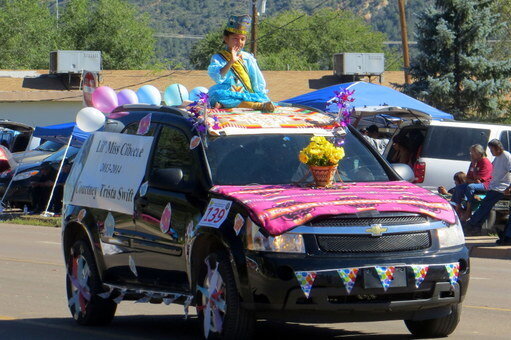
{"x": 279, "y": 208}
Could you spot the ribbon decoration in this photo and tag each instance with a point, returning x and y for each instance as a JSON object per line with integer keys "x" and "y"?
{"x": 419, "y": 272}
{"x": 306, "y": 280}
{"x": 144, "y": 124}
{"x": 386, "y": 275}
{"x": 348, "y": 277}
{"x": 453, "y": 270}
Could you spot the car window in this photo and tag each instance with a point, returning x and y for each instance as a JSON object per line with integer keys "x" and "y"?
{"x": 173, "y": 151}
{"x": 49, "y": 146}
{"x": 504, "y": 138}
{"x": 133, "y": 128}
{"x": 448, "y": 142}
{"x": 57, "y": 156}
{"x": 273, "y": 159}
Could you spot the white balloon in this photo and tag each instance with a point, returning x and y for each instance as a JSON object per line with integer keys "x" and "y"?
{"x": 90, "y": 119}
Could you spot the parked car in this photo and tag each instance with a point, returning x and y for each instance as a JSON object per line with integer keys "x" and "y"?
{"x": 441, "y": 148}
{"x": 38, "y": 153}
{"x": 192, "y": 240}
{"x": 20, "y": 191}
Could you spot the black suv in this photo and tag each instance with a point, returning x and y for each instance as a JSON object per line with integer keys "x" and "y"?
{"x": 364, "y": 266}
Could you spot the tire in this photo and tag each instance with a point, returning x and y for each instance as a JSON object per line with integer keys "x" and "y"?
{"x": 435, "y": 328}
{"x": 83, "y": 285}
{"x": 237, "y": 322}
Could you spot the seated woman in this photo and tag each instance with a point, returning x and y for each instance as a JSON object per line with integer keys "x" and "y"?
{"x": 478, "y": 179}
{"x": 239, "y": 81}
{"x": 402, "y": 152}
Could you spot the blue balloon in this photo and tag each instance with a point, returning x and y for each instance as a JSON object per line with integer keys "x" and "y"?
{"x": 148, "y": 94}
{"x": 194, "y": 94}
{"x": 175, "y": 94}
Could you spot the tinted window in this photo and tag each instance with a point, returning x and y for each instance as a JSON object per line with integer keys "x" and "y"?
{"x": 49, "y": 146}
{"x": 447, "y": 142}
{"x": 504, "y": 138}
{"x": 133, "y": 128}
{"x": 57, "y": 156}
{"x": 173, "y": 151}
{"x": 273, "y": 159}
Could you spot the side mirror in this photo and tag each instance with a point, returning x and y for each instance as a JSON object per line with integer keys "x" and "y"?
{"x": 167, "y": 179}
{"x": 404, "y": 171}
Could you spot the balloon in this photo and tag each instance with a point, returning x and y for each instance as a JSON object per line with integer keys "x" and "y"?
{"x": 194, "y": 94}
{"x": 104, "y": 99}
{"x": 127, "y": 96}
{"x": 90, "y": 119}
{"x": 148, "y": 94}
{"x": 175, "y": 94}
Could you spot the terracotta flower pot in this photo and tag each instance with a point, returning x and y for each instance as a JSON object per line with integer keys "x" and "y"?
{"x": 323, "y": 175}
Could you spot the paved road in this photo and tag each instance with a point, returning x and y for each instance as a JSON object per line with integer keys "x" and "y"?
{"x": 33, "y": 303}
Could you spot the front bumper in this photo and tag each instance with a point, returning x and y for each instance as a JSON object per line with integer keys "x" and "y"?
{"x": 276, "y": 292}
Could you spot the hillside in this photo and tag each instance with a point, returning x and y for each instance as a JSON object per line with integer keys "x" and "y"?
{"x": 198, "y": 17}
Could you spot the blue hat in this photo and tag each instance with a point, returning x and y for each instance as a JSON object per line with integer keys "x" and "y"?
{"x": 239, "y": 24}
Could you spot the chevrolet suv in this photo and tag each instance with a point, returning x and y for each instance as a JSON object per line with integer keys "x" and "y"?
{"x": 227, "y": 221}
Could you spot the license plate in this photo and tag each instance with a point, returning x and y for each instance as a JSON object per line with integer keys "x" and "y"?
{"x": 372, "y": 280}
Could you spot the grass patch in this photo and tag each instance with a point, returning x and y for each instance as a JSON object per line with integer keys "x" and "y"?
{"x": 44, "y": 222}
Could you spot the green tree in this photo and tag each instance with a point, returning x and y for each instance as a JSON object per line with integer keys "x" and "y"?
{"x": 113, "y": 27}
{"x": 27, "y": 34}
{"x": 308, "y": 42}
{"x": 453, "y": 68}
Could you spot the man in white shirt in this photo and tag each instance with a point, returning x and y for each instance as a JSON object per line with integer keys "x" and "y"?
{"x": 501, "y": 180}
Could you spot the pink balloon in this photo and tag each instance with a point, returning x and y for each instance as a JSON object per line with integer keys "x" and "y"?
{"x": 104, "y": 99}
{"x": 127, "y": 96}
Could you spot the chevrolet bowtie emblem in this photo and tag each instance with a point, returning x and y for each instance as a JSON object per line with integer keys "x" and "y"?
{"x": 376, "y": 230}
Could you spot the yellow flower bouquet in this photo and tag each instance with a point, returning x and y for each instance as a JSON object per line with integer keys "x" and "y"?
{"x": 322, "y": 157}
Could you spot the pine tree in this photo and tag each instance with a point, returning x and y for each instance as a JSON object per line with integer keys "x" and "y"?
{"x": 453, "y": 69}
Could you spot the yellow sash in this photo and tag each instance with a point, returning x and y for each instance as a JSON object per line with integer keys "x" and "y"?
{"x": 240, "y": 70}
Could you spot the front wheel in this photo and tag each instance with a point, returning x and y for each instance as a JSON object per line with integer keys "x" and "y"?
{"x": 83, "y": 285}
{"x": 435, "y": 328}
{"x": 218, "y": 302}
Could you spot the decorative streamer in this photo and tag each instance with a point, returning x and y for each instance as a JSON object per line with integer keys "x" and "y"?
{"x": 419, "y": 272}
{"x": 306, "y": 280}
{"x": 453, "y": 269}
{"x": 386, "y": 275}
{"x": 348, "y": 277}
{"x": 144, "y": 124}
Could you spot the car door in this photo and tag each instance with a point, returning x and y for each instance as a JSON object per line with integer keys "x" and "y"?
{"x": 118, "y": 233}
{"x": 161, "y": 257}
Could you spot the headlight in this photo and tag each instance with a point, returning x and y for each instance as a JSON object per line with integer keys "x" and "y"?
{"x": 451, "y": 236}
{"x": 285, "y": 243}
{"x": 25, "y": 175}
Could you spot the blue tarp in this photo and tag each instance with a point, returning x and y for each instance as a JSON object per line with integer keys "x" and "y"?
{"x": 60, "y": 133}
{"x": 367, "y": 94}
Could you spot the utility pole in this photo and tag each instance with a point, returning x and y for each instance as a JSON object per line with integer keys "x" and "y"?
{"x": 404, "y": 38}
{"x": 253, "y": 36}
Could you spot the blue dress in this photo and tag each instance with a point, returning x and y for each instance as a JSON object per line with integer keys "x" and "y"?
{"x": 224, "y": 91}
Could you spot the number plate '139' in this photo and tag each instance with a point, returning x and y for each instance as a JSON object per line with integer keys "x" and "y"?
{"x": 216, "y": 213}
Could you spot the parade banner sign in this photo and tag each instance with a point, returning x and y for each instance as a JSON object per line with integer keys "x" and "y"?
{"x": 112, "y": 172}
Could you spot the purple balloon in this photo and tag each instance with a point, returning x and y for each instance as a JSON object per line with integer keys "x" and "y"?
{"x": 127, "y": 96}
{"x": 104, "y": 99}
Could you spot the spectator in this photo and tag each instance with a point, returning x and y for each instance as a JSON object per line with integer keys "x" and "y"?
{"x": 42, "y": 188}
{"x": 500, "y": 182}
{"x": 459, "y": 178}
{"x": 376, "y": 140}
{"x": 402, "y": 153}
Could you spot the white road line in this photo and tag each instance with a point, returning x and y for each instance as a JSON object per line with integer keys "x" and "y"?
{"x": 49, "y": 242}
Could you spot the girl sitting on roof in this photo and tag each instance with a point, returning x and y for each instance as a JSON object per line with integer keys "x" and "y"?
{"x": 239, "y": 81}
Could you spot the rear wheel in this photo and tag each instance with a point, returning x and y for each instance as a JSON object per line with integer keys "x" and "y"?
{"x": 83, "y": 286}
{"x": 219, "y": 304}
{"x": 435, "y": 328}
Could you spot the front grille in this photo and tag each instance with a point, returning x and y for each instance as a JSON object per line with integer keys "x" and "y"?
{"x": 366, "y": 221}
{"x": 369, "y": 244}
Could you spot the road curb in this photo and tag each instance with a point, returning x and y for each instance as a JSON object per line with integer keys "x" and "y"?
{"x": 485, "y": 247}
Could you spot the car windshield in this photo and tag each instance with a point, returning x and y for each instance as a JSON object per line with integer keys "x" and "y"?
{"x": 273, "y": 159}
{"x": 57, "y": 156}
{"x": 49, "y": 146}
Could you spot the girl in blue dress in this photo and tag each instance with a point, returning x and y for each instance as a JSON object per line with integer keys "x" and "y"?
{"x": 239, "y": 81}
